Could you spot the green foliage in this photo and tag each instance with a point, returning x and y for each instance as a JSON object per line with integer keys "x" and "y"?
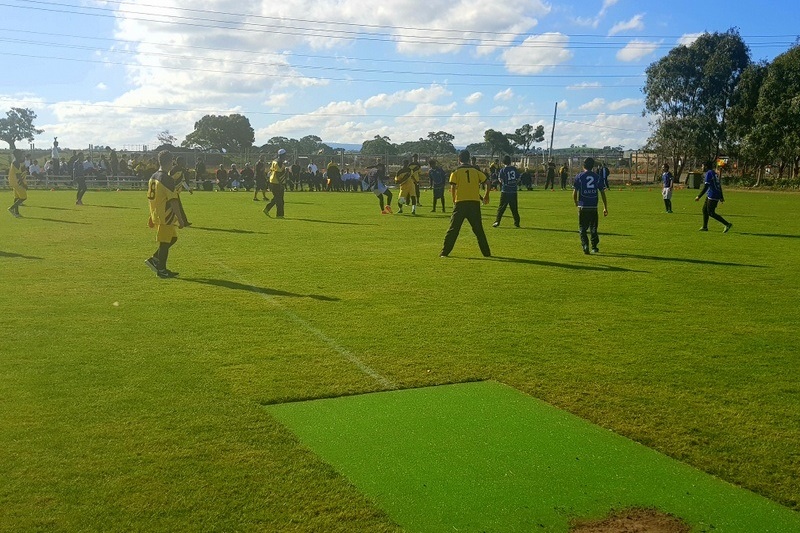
{"x": 308, "y": 145}
{"x": 228, "y": 133}
{"x": 498, "y": 142}
{"x": 378, "y": 146}
{"x": 18, "y": 126}
{"x": 526, "y": 136}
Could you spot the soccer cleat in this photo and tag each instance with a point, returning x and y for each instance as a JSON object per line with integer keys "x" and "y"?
{"x": 388, "y": 209}
{"x": 433, "y": 210}
{"x": 595, "y": 250}
{"x": 495, "y": 224}
{"x": 256, "y": 200}
{"x": 728, "y": 227}
{"x": 279, "y": 216}
{"x": 165, "y": 274}
{"x": 400, "y": 210}
{"x": 266, "y": 211}
{"x": 703, "y": 229}
{"x": 516, "y": 225}
{"x": 586, "y": 250}
{"x": 152, "y": 262}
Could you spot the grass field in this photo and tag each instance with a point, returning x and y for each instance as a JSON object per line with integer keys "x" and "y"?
{"x": 135, "y": 403}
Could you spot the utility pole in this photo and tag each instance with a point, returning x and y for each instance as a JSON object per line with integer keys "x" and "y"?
{"x": 552, "y": 133}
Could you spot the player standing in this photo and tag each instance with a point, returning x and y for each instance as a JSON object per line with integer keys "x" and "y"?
{"x": 508, "y": 177}
{"x": 666, "y": 191}
{"x": 165, "y": 214}
{"x": 437, "y": 179}
{"x": 465, "y": 186}
{"x": 584, "y": 194}
{"x": 278, "y": 174}
{"x": 713, "y": 187}
{"x": 16, "y": 180}
{"x": 415, "y": 175}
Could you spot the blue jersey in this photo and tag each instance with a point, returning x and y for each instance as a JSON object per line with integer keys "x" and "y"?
{"x": 667, "y": 179}
{"x": 437, "y": 177}
{"x": 509, "y": 176}
{"x": 714, "y": 186}
{"x": 604, "y": 172}
{"x": 588, "y": 184}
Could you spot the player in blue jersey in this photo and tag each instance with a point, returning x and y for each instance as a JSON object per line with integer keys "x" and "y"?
{"x": 666, "y": 191}
{"x": 713, "y": 188}
{"x": 508, "y": 177}
{"x": 437, "y": 179}
{"x": 585, "y": 191}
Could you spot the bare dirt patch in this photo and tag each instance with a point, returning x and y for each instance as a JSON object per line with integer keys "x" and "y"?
{"x": 633, "y": 521}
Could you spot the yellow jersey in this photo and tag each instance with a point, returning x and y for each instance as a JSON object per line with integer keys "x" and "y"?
{"x": 405, "y": 178}
{"x": 278, "y": 173}
{"x": 16, "y": 179}
{"x": 160, "y": 190}
{"x": 467, "y": 180}
{"x": 415, "y": 171}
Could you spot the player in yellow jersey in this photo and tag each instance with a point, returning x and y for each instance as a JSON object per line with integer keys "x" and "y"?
{"x": 179, "y": 175}
{"x": 16, "y": 180}
{"x": 408, "y": 187}
{"x": 465, "y": 186}
{"x": 165, "y": 214}
{"x": 278, "y": 174}
{"x": 416, "y": 170}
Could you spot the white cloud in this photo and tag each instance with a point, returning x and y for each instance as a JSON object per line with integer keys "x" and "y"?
{"x": 636, "y": 49}
{"x": 537, "y": 53}
{"x": 636, "y": 23}
{"x": 688, "y": 38}
{"x": 499, "y": 110}
{"x": 101, "y": 86}
{"x": 277, "y": 100}
{"x": 625, "y": 102}
{"x": 474, "y": 98}
{"x": 594, "y": 22}
{"x": 584, "y": 85}
{"x": 597, "y": 103}
{"x": 504, "y": 96}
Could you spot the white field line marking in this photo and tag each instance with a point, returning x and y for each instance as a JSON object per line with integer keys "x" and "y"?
{"x": 341, "y": 350}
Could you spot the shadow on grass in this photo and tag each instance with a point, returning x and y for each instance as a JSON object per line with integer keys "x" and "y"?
{"x": 19, "y": 256}
{"x": 568, "y": 266}
{"x": 775, "y": 235}
{"x": 59, "y": 221}
{"x": 685, "y": 260}
{"x": 333, "y": 222}
{"x": 233, "y": 285}
{"x": 144, "y": 207}
{"x": 51, "y": 207}
{"x": 575, "y": 231}
{"x": 229, "y": 230}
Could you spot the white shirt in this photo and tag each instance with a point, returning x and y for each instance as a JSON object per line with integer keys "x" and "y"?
{"x": 312, "y": 168}
{"x": 34, "y": 169}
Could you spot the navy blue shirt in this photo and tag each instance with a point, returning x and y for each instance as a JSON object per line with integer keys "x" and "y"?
{"x": 587, "y": 184}
{"x": 509, "y": 176}
{"x": 437, "y": 177}
{"x": 714, "y": 186}
{"x": 667, "y": 179}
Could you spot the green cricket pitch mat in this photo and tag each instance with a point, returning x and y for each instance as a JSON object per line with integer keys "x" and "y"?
{"x": 484, "y": 457}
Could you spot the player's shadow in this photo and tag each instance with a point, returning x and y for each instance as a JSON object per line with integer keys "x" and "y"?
{"x": 574, "y": 231}
{"x": 684, "y": 260}
{"x": 53, "y": 208}
{"x": 233, "y": 285}
{"x": 59, "y": 221}
{"x": 774, "y": 235}
{"x": 229, "y": 230}
{"x": 568, "y": 266}
{"x": 333, "y": 222}
{"x": 19, "y": 256}
{"x": 118, "y": 207}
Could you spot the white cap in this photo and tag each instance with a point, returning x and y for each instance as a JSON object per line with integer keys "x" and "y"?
{"x": 281, "y": 151}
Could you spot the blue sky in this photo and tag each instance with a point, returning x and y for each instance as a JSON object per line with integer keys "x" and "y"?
{"x": 119, "y": 72}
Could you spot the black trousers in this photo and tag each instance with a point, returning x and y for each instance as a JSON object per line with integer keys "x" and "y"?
{"x": 710, "y": 210}
{"x": 587, "y": 223}
{"x": 508, "y": 199}
{"x": 277, "y": 198}
{"x": 469, "y": 210}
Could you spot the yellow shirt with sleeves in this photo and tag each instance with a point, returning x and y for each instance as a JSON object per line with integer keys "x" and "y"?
{"x": 467, "y": 180}
{"x": 16, "y": 180}
{"x": 416, "y": 170}
{"x": 278, "y": 173}
{"x": 160, "y": 190}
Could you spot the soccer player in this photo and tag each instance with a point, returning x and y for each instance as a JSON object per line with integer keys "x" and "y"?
{"x": 584, "y": 194}
{"x": 178, "y": 174}
{"x": 604, "y": 173}
{"x": 261, "y": 179}
{"x": 16, "y": 180}
{"x": 405, "y": 179}
{"x": 465, "y": 183}
{"x": 551, "y": 175}
{"x": 278, "y": 174}
{"x": 79, "y": 177}
{"x": 165, "y": 214}
{"x": 713, "y": 187}
{"x": 507, "y": 176}
{"x": 375, "y": 178}
{"x": 415, "y": 175}
{"x": 564, "y": 174}
{"x": 666, "y": 191}
{"x": 437, "y": 178}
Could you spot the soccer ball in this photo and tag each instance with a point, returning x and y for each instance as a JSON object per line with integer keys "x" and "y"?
{"x": 401, "y": 201}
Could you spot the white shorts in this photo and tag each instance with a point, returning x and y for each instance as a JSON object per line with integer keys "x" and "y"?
{"x": 667, "y": 193}
{"x": 379, "y": 188}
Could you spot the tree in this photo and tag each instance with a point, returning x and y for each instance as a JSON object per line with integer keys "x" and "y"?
{"x": 498, "y": 142}
{"x": 689, "y": 91}
{"x": 231, "y": 133}
{"x": 378, "y": 146}
{"x": 165, "y": 137}
{"x": 18, "y": 126}
{"x": 526, "y": 136}
{"x": 441, "y": 142}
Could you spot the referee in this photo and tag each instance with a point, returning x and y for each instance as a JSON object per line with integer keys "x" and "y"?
{"x": 465, "y": 183}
